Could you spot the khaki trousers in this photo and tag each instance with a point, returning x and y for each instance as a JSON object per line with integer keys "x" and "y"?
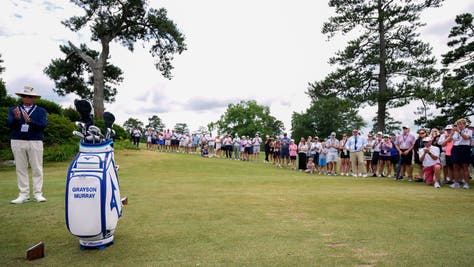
{"x": 28, "y": 153}
{"x": 357, "y": 162}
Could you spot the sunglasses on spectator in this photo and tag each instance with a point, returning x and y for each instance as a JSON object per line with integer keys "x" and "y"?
{"x": 27, "y": 96}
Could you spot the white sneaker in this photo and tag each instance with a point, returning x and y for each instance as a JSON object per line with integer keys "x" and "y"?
{"x": 436, "y": 185}
{"x": 454, "y": 185}
{"x": 364, "y": 175}
{"x": 466, "y": 186}
{"x": 20, "y": 199}
{"x": 354, "y": 175}
{"x": 347, "y": 174}
{"x": 40, "y": 198}
{"x": 389, "y": 176}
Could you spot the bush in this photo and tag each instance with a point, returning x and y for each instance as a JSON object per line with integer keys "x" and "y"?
{"x": 71, "y": 114}
{"x": 51, "y": 107}
{"x": 120, "y": 132}
{"x": 59, "y": 130}
{"x": 63, "y": 152}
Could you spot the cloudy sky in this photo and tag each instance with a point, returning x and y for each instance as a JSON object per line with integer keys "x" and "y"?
{"x": 265, "y": 50}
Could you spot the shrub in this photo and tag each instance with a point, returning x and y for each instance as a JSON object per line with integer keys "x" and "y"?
{"x": 71, "y": 114}
{"x": 59, "y": 130}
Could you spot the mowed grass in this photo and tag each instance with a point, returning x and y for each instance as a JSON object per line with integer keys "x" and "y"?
{"x": 189, "y": 211}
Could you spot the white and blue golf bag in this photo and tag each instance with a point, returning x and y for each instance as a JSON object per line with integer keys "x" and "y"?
{"x": 93, "y": 204}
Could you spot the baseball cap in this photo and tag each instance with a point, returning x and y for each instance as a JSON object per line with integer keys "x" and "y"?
{"x": 427, "y": 139}
{"x": 406, "y": 126}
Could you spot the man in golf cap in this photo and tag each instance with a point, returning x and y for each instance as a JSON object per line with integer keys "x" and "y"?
{"x": 27, "y": 122}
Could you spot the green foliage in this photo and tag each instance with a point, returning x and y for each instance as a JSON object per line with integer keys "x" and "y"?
{"x": 4, "y": 130}
{"x": 387, "y": 64}
{"x": 391, "y": 125}
{"x": 6, "y": 100}
{"x": 456, "y": 97}
{"x": 324, "y": 116}
{"x": 58, "y": 130}
{"x": 131, "y": 123}
{"x": 61, "y": 152}
{"x": 248, "y": 118}
{"x": 155, "y": 122}
{"x": 125, "y": 22}
{"x": 71, "y": 114}
{"x": 74, "y": 75}
{"x": 50, "y": 106}
{"x": 2, "y": 68}
{"x": 120, "y": 132}
{"x": 181, "y": 128}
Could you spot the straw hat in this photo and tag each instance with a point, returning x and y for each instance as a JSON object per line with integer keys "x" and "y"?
{"x": 28, "y": 91}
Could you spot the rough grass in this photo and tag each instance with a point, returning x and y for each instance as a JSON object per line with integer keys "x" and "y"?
{"x": 189, "y": 211}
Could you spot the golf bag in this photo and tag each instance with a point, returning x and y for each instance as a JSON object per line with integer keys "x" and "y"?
{"x": 93, "y": 204}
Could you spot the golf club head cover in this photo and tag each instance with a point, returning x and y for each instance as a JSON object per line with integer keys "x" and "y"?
{"x": 84, "y": 108}
{"x": 109, "y": 119}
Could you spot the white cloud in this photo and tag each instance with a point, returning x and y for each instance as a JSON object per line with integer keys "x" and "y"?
{"x": 266, "y": 50}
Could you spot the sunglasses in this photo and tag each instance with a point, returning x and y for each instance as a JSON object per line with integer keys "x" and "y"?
{"x": 27, "y": 96}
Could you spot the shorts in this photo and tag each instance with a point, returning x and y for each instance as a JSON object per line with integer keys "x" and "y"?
{"x": 375, "y": 157}
{"x": 367, "y": 156}
{"x": 331, "y": 157}
{"x": 394, "y": 159}
{"x": 248, "y": 150}
{"x": 167, "y": 142}
{"x": 385, "y": 158}
{"x": 285, "y": 153}
{"x": 429, "y": 173}
{"x": 344, "y": 155}
{"x": 322, "y": 162}
{"x": 293, "y": 157}
{"x": 449, "y": 161}
{"x": 461, "y": 154}
{"x": 161, "y": 142}
{"x": 218, "y": 146}
{"x": 407, "y": 159}
{"x": 277, "y": 153}
{"x": 256, "y": 149}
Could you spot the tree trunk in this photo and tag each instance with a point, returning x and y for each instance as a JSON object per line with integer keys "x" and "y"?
{"x": 98, "y": 71}
{"x": 382, "y": 77}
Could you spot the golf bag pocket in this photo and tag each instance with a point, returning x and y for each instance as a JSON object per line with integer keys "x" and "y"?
{"x": 84, "y": 215}
{"x": 90, "y": 161}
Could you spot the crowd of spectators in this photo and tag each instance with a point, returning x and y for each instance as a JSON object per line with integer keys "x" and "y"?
{"x": 441, "y": 156}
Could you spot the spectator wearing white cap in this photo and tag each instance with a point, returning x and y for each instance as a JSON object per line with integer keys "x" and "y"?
{"x": 431, "y": 165}
{"x": 332, "y": 145}
{"x": 27, "y": 122}
{"x": 404, "y": 144}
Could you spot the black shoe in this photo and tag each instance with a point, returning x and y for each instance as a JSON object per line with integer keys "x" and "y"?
{"x": 419, "y": 180}
{"x": 374, "y": 175}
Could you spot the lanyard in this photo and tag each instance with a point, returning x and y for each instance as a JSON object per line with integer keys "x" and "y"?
{"x": 31, "y": 110}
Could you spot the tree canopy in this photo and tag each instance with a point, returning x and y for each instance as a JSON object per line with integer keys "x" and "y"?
{"x": 387, "y": 65}
{"x": 125, "y": 22}
{"x": 324, "y": 116}
{"x": 248, "y": 118}
{"x": 456, "y": 96}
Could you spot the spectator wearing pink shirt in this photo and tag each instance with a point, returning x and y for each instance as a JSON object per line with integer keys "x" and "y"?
{"x": 293, "y": 149}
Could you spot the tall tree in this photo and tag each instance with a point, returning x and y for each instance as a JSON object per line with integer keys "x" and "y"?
{"x": 456, "y": 97}
{"x": 156, "y": 122}
{"x": 131, "y": 123}
{"x": 74, "y": 75}
{"x": 125, "y": 22}
{"x": 387, "y": 63}
{"x": 181, "y": 127}
{"x": 248, "y": 118}
{"x": 324, "y": 116}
